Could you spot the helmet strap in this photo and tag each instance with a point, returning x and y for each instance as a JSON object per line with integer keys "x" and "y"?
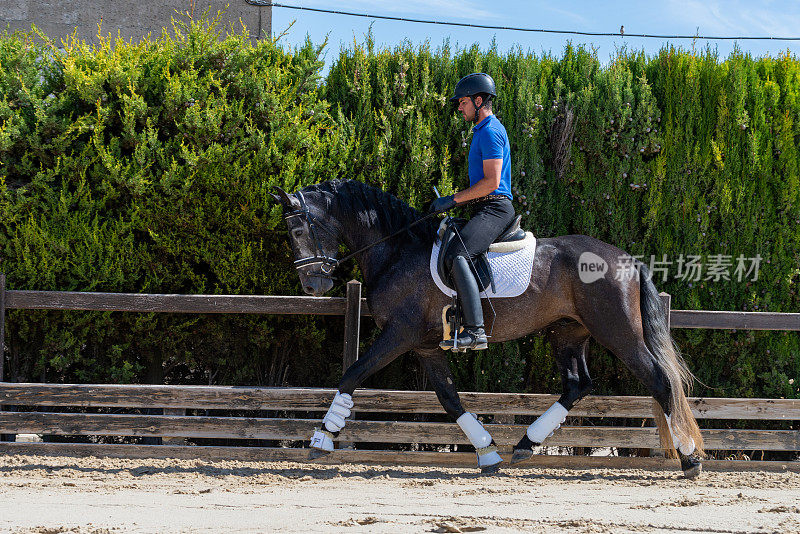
{"x": 477, "y": 107}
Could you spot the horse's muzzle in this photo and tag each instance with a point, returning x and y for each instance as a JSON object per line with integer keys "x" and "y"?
{"x": 316, "y": 285}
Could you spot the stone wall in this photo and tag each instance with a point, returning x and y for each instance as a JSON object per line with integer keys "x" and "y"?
{"x": 132, "y": 19}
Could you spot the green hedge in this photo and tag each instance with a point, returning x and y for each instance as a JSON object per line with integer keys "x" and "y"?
{"x": 674, "y": 154}
{"x": 146, "y": 167}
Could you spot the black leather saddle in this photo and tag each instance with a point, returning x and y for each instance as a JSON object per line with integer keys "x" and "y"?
{"x": 481, "y": 267}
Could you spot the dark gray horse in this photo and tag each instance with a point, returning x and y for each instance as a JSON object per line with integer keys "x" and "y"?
{"x": 623, "y": 313}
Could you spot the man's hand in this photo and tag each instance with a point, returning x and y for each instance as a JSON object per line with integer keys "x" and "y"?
{"x": 442, "y": 204}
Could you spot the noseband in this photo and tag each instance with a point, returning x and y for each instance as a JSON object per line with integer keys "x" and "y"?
{"x": 327, "y": 264}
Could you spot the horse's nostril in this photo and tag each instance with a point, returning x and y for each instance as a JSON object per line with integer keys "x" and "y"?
{"x": 308, "y": 289}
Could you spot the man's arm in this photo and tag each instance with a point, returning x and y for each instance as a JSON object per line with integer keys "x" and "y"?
{"x": 489, "y": 182}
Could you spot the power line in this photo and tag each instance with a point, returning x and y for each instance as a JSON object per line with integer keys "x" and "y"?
{"x": 265, "y": 3}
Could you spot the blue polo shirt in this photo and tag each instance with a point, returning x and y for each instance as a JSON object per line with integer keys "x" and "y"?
{"x": 490, "y": 141}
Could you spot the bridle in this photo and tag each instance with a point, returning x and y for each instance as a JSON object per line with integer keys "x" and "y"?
{"x": 327, "y": 264}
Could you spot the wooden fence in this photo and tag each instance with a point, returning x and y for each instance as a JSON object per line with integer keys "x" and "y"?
{"x": 294, "y": 412}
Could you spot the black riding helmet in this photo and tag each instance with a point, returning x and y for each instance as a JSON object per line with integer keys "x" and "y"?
{"x": 472, "y": 85}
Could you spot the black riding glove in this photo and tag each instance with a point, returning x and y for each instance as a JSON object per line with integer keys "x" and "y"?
{"x": 442, "y": 204}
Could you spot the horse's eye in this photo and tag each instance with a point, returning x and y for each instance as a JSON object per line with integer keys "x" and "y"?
{"x": 298, "y": 232}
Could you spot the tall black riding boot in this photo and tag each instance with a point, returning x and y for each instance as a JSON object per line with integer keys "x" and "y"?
{"x": 473, "y": 336}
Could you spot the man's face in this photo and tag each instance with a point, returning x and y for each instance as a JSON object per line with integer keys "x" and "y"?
{"x": 467, "y": 108}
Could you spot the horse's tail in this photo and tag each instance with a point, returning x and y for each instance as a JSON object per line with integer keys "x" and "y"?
{"x": 672, "y": 364}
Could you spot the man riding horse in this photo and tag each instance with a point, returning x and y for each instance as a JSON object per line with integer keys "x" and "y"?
{"x": 622, "y": 313}
{"x": 489, "y": 190}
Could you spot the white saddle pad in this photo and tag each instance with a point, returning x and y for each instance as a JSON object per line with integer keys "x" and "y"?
{"x": 511, "y": 270}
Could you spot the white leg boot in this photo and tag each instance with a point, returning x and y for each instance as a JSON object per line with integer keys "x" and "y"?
{"x": 538, "y": 431}
{"x": 484, "y": 445}
{"x": 547, "y": 423}
{"x": 322, "y": 440}
{"x": 333, "y": 422}
{"x": 685, "y": 448}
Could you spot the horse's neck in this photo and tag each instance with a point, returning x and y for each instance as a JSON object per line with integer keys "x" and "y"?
{"x": 365, "y": 228}
{"x": 374, "y": 259}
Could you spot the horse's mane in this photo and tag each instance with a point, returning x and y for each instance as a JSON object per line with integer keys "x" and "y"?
{"x": 375, "y": 208}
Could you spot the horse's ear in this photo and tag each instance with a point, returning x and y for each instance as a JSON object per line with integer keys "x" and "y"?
{"x": 282, "y": 197}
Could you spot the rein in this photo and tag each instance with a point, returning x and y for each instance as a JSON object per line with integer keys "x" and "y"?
{"x": 328, "y": 264}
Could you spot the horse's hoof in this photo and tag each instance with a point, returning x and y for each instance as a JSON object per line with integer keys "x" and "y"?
{"x": 693, "y": 472}
{"x": 489, "y": 469}
{"x": 520, "y": 455}
{"x": 692, "y": 466}
{"x": 317, "y": 453}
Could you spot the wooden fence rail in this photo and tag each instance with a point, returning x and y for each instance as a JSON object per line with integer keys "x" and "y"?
{"x": 143, "y": 302}
{"x": 368, "y": 431}
{"x": 370, "y": 401}
{"x": 290, "y": 402}
{"x": 267, "y": 304}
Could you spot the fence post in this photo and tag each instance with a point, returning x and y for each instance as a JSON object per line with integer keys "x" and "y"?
{"x": 352, "y": 324}
{"x": 352, "y": 330}
{"x": 2, "y": 324}
{"x": 4, "y": 437}
{"x": 666, "y": 301}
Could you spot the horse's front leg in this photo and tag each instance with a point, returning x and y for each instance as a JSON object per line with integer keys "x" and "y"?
{"x": 391, "y": 343}
{"x": 438, "y": 370}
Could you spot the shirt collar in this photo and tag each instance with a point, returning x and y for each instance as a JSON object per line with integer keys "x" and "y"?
{"x": 483, "y": 123}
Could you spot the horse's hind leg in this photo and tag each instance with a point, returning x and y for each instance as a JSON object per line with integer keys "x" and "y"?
{"x": 668, "y": 393}
{"x": 669, "y": 403}
{"x": 569, "y": 341}
{"x": 438, "y": 370}
{"x": 626, "y": 315}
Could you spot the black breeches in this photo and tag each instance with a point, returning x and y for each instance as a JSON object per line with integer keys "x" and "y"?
{"x": 489, "y": 219}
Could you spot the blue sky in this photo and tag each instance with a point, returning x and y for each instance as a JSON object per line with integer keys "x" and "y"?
{"x": 709, "y": 17}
